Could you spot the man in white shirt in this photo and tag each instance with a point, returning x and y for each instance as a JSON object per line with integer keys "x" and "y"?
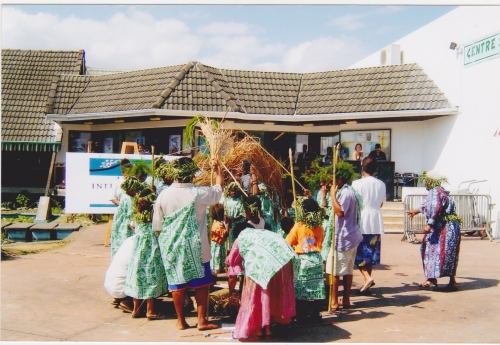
{"x": 177, "y": 197}
{"x": 373, "y": 192}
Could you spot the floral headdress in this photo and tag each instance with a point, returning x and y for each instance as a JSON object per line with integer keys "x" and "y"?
{"x": 309, "y": 212}
{"x": 432, "y": 178}
{"x": 144, "y": 208}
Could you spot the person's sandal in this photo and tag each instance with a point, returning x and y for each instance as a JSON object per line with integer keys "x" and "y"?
{"x": 138, "y": 316}
{"x": 159, "y": 316}
{"x": 427, "y": 286}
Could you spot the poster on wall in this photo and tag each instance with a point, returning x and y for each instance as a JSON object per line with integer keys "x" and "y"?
{"x": 80, "y": 145}
{"x": 89, "y": 178}
{"x": 107, "y": 146}
{"x": 367, "y": 139}
{"x": 174, "y": 143}
{"x": 325, "y": 142}
{"x": 140, "y": 140}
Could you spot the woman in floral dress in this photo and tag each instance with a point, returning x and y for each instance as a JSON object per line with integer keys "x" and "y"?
{"x": 441, "y": 243}
{"x": 146, "y": 278}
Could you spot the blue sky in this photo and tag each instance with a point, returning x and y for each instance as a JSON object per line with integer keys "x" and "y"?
{"x": 290, "y": 38}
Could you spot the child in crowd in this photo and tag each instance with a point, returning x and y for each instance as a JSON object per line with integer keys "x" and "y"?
{"x": 287, "y": 224}
{"x": 307, "y": 237}
{"x": 146, "y": 278}
{"x": 218, "y": 234}
{"x": 120, "y": 228}
{"x": 233, "y": 205}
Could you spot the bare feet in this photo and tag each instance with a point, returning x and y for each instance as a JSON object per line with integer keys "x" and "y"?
{"x": 182, "y": 325}
{"x": 206, "y": 326}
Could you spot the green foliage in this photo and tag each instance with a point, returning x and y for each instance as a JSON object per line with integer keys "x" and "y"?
{"x": 321, "y": 173}
{"x": 346, "y": 171}
{"x": 56, "y": 208}
{"x": 22, "y": 200}
{"x": 140, "y": 168}
{"x": 191, "y": 126}
{"x": 22, "y": 219}
{"x": 8, "y": 205}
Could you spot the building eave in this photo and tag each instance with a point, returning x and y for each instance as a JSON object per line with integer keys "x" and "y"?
{"x": 299, "y": 119}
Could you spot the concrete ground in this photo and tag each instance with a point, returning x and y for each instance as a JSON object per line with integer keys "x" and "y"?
{"x": 59, "y": 296}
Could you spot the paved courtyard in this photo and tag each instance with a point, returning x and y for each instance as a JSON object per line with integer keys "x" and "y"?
{"x": 59, "y": 296}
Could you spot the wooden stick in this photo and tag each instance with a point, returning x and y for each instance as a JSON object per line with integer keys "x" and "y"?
{"x": 152, "y": 167}
{"x": 293, "y": 183}
{"x": 335, "y": 157}
{"x": 281, "y": 165}
{"x": 234, "y": 178}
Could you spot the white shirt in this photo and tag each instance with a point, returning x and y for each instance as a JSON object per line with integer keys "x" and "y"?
{"x": 116, "y": 190}
{"x": 372, "y": 190}
{"x": 179, "y": 195}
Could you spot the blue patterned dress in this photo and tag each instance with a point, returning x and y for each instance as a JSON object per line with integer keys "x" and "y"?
{"x": 440, "y": 247}
{"x": 120, "y": 228}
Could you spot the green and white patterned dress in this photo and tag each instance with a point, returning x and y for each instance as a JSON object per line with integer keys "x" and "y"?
{"x": 218, "y": 252}
{"x": 120, "y": 228}
{"x": 327, "y": 225}
{"x": 180, "y": 245}
{"x": 267, "y": 207}
{"x": 233, "y": 207}
{"x": 146, "y": 276}
{"x": 309, "y": 283}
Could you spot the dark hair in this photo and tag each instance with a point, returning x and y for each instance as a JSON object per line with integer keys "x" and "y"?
{"x": 357, "y": 146}
{"x": 287, "y": 224}
{"x": 369, "y": 165}
{"x": 329, "y": 150}
{"x": 377, "y": 146}
{"x": 218, "y": 212}
{"x": 246, "y": 165}
{"x": 125, "y": 163}
{"x": 252, "y": 203}
{"x": 310, "y": 205}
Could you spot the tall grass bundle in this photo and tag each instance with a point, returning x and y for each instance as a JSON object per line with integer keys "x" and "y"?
{"x": 267, "y": 170}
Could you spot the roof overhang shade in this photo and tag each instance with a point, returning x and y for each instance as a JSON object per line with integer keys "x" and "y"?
{"x": 410, "y": 115}
{"x": 30, "y": 146}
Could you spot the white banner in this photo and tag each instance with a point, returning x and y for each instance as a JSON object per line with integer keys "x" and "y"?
{"x": 89, "y": 177}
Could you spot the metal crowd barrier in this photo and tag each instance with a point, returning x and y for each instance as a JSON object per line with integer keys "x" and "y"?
{"x": 474, "y": 209}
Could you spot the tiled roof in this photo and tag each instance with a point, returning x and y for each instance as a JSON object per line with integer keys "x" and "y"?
{"x": 121, "y": 91}
{"x": 386, "y": 88}
{"x": 27, "y": 76}
{"x": 272, "y": 93}
{"x": 198, "y": 87}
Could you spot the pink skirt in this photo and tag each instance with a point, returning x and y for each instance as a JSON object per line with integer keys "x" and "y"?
{"x": 260, "y": 307}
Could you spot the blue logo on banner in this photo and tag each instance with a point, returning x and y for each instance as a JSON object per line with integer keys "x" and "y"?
{"x": 105, "y": 167}
{"x": 108, "y": 166}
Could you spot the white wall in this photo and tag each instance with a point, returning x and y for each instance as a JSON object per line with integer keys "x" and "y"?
{"x": 463, "y": 147}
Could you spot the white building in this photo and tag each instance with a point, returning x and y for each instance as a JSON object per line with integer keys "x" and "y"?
{"x": 465, "y": 146}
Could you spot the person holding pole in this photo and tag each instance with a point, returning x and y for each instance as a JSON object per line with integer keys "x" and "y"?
{"x": 347, "y": 205}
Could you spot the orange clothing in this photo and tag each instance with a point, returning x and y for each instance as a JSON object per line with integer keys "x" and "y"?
{"x": 218, "y": 232}
{"x": 305, "y": 240}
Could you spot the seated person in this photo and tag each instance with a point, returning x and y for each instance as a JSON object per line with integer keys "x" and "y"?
{"x": 377, "y": 153}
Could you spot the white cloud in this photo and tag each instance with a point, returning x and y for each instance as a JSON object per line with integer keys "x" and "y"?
{"x": 323, "y": 54}
{"x": 225, "y": 29}
{"x": 134, "y": 39}
{"x": 130, "y": 40}
{"x": 348, "y": 22}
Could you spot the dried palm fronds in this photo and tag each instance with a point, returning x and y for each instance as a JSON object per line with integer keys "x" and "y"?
{"x": 267, "y": 170}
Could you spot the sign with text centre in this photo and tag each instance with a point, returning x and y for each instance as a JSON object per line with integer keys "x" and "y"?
{"x": 482, "y": 50}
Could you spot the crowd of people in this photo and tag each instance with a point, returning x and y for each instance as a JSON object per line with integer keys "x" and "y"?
{"x": 170, "y": 234}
